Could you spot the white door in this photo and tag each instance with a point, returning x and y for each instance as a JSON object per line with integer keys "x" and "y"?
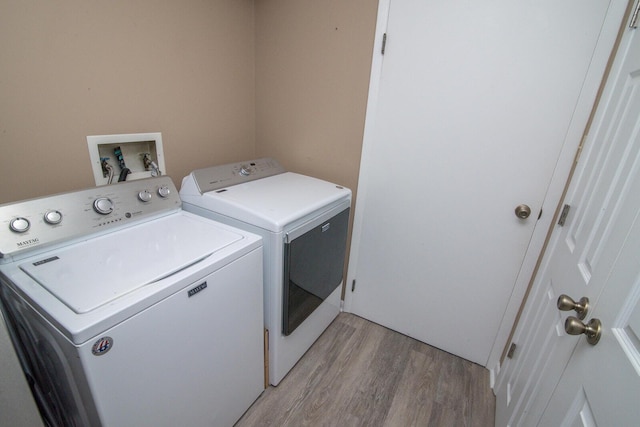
{"x": 601, "y": 384}
{"x": 475, "y": 103}
{"x": 604, "y": 199}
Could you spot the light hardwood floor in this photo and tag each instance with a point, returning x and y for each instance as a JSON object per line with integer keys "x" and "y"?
{"x": 362, "y": 374}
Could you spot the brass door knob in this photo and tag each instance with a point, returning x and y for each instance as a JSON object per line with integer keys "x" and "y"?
{"x": 523, "y": 211}
{"x": 566, "y": 303}
{"x": 592, "y": 330}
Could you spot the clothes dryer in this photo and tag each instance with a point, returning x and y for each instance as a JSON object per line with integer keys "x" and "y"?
{"x": 303, "y": 222}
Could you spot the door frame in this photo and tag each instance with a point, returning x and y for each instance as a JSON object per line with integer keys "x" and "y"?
{"x": 555, "y": 189}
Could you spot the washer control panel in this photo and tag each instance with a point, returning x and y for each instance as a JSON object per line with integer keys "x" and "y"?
{"x": 218, "y": 177}
{"x": 54, "y": 219}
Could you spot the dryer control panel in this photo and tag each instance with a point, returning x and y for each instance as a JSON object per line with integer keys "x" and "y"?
{"x": 219, "y": 177}
{"x": 34, "y": 223}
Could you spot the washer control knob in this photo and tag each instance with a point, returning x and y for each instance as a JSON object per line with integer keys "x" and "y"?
{"x": 19, "y": 224}
{"x": 164, "y": 191}
{"x": 245, "y": 170}
{"x": 103, "y": 205}
{"x": 144, "y": 196}
{"x": 53, "y": 217}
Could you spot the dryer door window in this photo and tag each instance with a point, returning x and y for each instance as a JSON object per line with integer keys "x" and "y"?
{"x": 314, "y": 265}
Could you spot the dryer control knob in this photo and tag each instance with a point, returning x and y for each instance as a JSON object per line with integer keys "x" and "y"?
{"x": 164, "y": 191}
{"x": 53, "y": 217}
{"x": 245, "y": 170}
{"x": 19, "y": 224}
{"x": 103, "y": 205}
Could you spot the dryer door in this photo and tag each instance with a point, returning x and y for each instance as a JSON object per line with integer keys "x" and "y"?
{"x": 314, "y": 265}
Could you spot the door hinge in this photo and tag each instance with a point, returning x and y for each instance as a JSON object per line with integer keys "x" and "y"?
{"x": 353, "y": 285}
{"x": 563, "y": 215}
{"x": 580, "y": 147}
{"x": 512, "y": 349}
{"x": 634, "y": 18}
{"x": 266, "y": 358}
{"x": 384, "y": 42}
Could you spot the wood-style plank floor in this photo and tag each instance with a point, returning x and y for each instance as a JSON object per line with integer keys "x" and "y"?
{"x": 362, "y": 374}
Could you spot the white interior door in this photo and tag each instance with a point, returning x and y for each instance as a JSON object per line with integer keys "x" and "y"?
{"x": 474, "y": 105}
{"x": 601, "y": 384}
{"x": 581, "y": 257}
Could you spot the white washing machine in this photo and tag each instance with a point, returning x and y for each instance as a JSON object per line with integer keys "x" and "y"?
{"x": 126, "y": 310}
{"x": 303, "y": 222}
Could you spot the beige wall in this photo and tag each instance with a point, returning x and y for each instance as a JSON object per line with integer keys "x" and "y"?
{"x": 312, "y": 77}
{"x": 74, "y": 68}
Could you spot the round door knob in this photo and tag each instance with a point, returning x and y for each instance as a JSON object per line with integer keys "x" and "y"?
{"x": 523, "y": 211}
{"x": 566, "y": 303}
{"x": 592, "y": 330}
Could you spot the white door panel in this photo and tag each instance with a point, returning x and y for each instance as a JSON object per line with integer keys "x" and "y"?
{"x": 607, "y": 376}
{"x": 604, "y": 380}
{"x": 580, "y": 261}
{"x": 474, "y": 104}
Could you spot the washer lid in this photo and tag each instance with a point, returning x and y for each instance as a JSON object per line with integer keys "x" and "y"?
{"x": 90, "y": 274}
{"x": 272, "y": 203}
